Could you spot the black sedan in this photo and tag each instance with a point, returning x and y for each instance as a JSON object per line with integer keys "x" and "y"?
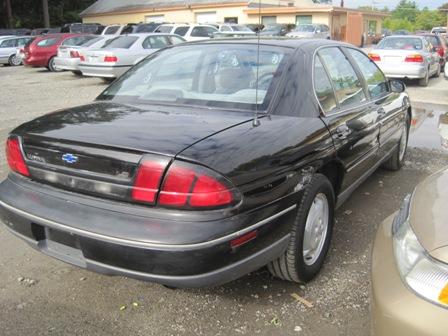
{"x": 207, "y": 161}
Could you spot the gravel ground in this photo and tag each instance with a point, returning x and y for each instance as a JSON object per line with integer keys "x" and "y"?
{"x": 42, "y": 296}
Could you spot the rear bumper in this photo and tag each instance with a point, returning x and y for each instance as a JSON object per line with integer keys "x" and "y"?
{"x": 105, "y": 71}
{"x": 89, "y": 237}
{"x": 65, "y": 63}
{"x": 403, "y": 70}
{"x": 395, "y": 309}
{"x": 36, "y": 62}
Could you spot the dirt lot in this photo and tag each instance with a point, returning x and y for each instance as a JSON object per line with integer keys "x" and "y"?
{"x": 42, "y": 296}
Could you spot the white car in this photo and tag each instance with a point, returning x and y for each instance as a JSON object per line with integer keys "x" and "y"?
{"x": 235, "y": 29}
{"x": 69, "y": 56}
{"x": 317, "y": 31}
{"x": 8, "y": 49}
{"x": 113, "y": 30}
{"x": 122, "y": 53}
{"x": 194, "y": 32}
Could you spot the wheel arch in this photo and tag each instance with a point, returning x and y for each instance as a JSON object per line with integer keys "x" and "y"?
{"x": 335, "y": 172}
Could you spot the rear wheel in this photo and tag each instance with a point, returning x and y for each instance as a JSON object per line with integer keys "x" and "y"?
{"x": 439, "y": 71}
{"x": 107, "y": 80}
{"x": 51, "y": 65}
{"x": 14, "y": 60}
{"x": 425, "y": 80}
{"x": 395, "y": 162}
{"x": 310, "y": 234}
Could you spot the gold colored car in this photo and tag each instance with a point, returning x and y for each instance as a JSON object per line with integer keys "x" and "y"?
{"x": 410, "y": 264}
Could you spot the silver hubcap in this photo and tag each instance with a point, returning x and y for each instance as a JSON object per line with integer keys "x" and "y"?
{"x": 315, "y": 229}
{"x": 403, "y": 142}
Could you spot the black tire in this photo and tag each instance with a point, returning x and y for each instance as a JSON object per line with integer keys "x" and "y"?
{"x": 291, "y": 266}
{"x": 13, "y": 61}
{"x": 425, "y": 80}
{"x": 438, "y": 72}
{"x": 395, "y": 162}
{"x": 51, "y": 65}
{"x": 77, "y": 73}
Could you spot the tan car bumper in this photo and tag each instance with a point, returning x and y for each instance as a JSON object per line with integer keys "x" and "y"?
{"x": 395, "y": 309}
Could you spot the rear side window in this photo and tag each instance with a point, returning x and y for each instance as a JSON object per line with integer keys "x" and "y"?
{"x": 202, "y": 32}
{"x": 111, "y": 30}
{"x": 181, "y": 31}
{"x": 122, "y": 42}
{"x": 375, "y": 79}
{"x": 322, "y": 86}
{"x": 348, "y": 87}
{"x": 156, "y": 42}
{"x": 9, "y": 43}
{"x": 164, "y": 29}
{"x": 47, "y": 42}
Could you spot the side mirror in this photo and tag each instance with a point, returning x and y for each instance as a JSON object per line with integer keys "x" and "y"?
{"x": 397, "y": 86}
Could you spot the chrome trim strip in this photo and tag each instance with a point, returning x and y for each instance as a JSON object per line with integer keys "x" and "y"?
{"x": 141, "y": 244}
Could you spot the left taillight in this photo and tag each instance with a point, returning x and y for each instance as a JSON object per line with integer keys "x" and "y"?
{"x": 15, "y": 157}
{"x": 184, "y": 186}
{"x": 74, "y": 54}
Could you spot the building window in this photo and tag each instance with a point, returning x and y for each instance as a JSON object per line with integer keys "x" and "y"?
{"x": 304, "y": 19}
{"x": 231, "y": 20}
{"x": 372, "y": 27}
{"x": 155, "y": 18}
{"x": 268, "y": 20}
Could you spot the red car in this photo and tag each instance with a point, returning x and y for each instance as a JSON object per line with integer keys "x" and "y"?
{"x": 440, "y": 44}
{"x": 43, "y": 50}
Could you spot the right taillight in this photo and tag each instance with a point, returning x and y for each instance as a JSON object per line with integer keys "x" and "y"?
{"x": 191, "y": 186}
{"x": 375, "y": 57}
{"x": 417, "y": 58}
{"x": 185, "y": 186}
{"x": 15, "y": 157}
{"x": 110, "y": 59}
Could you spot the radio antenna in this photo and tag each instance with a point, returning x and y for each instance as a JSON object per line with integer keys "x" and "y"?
{"x": 256, "y": 121}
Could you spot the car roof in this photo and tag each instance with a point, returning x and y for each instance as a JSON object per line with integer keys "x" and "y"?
{"x": 286, "y": 42}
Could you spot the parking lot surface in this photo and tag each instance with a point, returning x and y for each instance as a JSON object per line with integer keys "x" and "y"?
{"x": 42, "y": 296}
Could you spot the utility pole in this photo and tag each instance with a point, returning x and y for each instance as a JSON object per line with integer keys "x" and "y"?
{"x": 10, "y": 20}
{"x": 46, "y": 13}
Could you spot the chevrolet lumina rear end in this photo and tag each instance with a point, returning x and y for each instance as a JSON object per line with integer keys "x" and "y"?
{"x": 117, "y": 187}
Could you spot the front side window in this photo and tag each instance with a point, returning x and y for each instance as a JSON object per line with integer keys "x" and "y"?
{"x": 348, "y": 87}
{"x": 220, "y": 76}
{"x": 323, "y": 88}
{"x": 47, "y": 42}
{"x": 375, "y": 79}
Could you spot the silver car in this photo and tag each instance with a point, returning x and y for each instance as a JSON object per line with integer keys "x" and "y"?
{"x": 317, "y": 31}
{"x": 69, "y": 56}
{"x": 8, "y": 49}
{"x": 121, "y": 53}
{"x": 233, "y": 29}
{"x": 407, "y": 57}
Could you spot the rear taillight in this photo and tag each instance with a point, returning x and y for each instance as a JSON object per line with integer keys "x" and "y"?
{"x": 185, "y": 186}
{"x": 414, "y": 58}
{"x": 110, "y": 59}
{"x": 74, "y": 54}
{"x": 147, "y": 181}
{"x": 191, "y": 186}
{"x": 375, "y": 57}
{"x": 15, "y": 157}
{"x": 441, "y": 51}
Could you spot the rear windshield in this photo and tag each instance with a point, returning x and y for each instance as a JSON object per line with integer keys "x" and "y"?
{"x": 111, "y": 30}
{"x": 146, "y": 28}
{"x": 123, "y": 42}
{"x": 221, "y": 76}
{"x": 401, "y": 43}
{"x": 92, "y": 41}
{"x": 77, "y": 41}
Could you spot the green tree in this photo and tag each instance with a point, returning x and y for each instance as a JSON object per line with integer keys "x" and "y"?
{"x": 406, "y": 10}
{"x": 427, "y": 19}
{"x": 398, "y": 24}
